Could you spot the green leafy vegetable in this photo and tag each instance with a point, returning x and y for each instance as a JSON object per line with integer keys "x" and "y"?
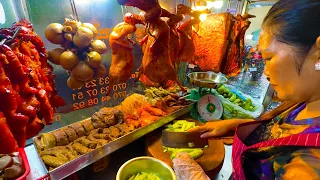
{"x": 144, "y": 176}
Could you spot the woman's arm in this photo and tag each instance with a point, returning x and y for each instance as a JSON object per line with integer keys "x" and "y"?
{"x": 219, "y": 128}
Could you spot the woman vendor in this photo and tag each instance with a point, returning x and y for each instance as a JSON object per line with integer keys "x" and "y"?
{"x": 283, "y": 143}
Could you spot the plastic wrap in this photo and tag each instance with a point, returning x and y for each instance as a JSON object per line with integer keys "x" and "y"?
{"x": 187, "y": 168}
{"x": 230, "y": 110}
{"x": 229, "y": 107}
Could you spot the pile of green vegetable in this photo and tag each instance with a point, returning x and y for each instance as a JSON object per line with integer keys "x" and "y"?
{"x": 182, "y": 126}
{"x": 229, "y": 112}
{"x": 144, "y": 176}
{"x": 194, "y": 153}
{"x": 232, "y": 97}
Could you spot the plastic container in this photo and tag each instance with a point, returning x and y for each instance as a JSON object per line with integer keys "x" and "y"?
{"x": 25, "y": 164}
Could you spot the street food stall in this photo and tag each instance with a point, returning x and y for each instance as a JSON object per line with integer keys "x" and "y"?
{"x": 85, "y": 86}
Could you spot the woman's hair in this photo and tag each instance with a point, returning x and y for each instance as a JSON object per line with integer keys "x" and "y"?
{"x": 296, "y": 23}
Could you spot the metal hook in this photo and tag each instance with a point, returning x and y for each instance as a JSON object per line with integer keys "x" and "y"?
{"x": 16, "y": 33}
{"x": 74, "y": 10}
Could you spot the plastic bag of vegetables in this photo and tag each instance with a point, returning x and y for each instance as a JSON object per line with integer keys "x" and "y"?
{"x": 236, "y": 104}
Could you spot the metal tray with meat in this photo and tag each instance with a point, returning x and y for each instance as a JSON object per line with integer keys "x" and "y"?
{"x": 73, "y": 147}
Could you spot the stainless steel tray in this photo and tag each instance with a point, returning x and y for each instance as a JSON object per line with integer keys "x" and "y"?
{"x": 89, "y": 158}
{"x": 207, "y": 79}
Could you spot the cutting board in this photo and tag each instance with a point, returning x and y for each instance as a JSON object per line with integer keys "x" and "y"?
{"x": 211, "y": 161}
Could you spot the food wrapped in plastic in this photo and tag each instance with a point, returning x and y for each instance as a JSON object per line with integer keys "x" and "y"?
{"x": 187, "y": 168}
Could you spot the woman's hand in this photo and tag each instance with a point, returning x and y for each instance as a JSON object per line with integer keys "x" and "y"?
{"x": 219, "y": 128}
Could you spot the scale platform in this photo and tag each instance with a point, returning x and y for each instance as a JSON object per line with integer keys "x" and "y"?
{"x": 207, "y": 79}
{"x": 209, "y": 107}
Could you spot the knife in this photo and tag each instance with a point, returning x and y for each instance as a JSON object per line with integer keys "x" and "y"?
{"x": 183, "y": 139}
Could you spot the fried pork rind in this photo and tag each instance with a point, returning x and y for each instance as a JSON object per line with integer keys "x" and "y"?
{"x": 73, "y": 154}
{"x": 125, "y": 128}
{"x": 46, "y": 141}
{"x": 53, "y": 161}
{"x": 114, "y": 133}
{"x": 86, "y": 142}
{"x": 98, "y": 136}
{"x": 59, "y": 151}
{"x": 81, "y": 149}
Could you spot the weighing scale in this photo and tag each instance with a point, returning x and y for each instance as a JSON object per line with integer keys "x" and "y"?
{"x": 209, "y": 107}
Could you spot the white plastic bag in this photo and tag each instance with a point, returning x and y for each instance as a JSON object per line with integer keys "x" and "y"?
{"x": 232, "y": 111}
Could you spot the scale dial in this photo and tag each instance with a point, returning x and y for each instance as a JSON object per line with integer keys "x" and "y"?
{"x": 210, "y": 107}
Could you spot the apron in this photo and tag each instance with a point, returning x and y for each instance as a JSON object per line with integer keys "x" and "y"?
{"x": 243, "y": 130}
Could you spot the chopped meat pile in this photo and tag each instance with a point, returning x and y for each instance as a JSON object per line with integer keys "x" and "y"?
{"x": 106, "y": 117}
{"x": 27, "y": 93}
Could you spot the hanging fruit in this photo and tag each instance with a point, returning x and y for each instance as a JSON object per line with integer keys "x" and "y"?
{"x": 83, "y": 37}
{"x": 99, "y": 46}
{"x": 54, "y": 55}
{"x": 68, "y": 60}
{"x": 82, "y": 72}
{"x": 74, "y": 83}
{"x": 80, "y": 53}
{"x": 100, "y": 71}
{"x": 53, "y": 33}
{"x": 94, "y": 59}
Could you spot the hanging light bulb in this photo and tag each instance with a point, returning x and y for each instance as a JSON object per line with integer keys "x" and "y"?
{"x": 2, "y": 15}
{"x": 203, "y": 17}
{"x": 218, "y": 4}
{"x": 208, "y": 5}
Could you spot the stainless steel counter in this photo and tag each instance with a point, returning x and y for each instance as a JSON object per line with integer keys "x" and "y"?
{"x": 257, "y": 89}
{"x": 93, "y": 156}
{"x": 116, "y": 160}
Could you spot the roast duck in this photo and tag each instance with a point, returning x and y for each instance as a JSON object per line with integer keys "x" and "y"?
{"x": 186, "y": 31}
{"x": 27, "y": 93}
{"x": 216, "y": 44}
{"x": 157, "y": 66}
{"x": 122, "y": 59}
